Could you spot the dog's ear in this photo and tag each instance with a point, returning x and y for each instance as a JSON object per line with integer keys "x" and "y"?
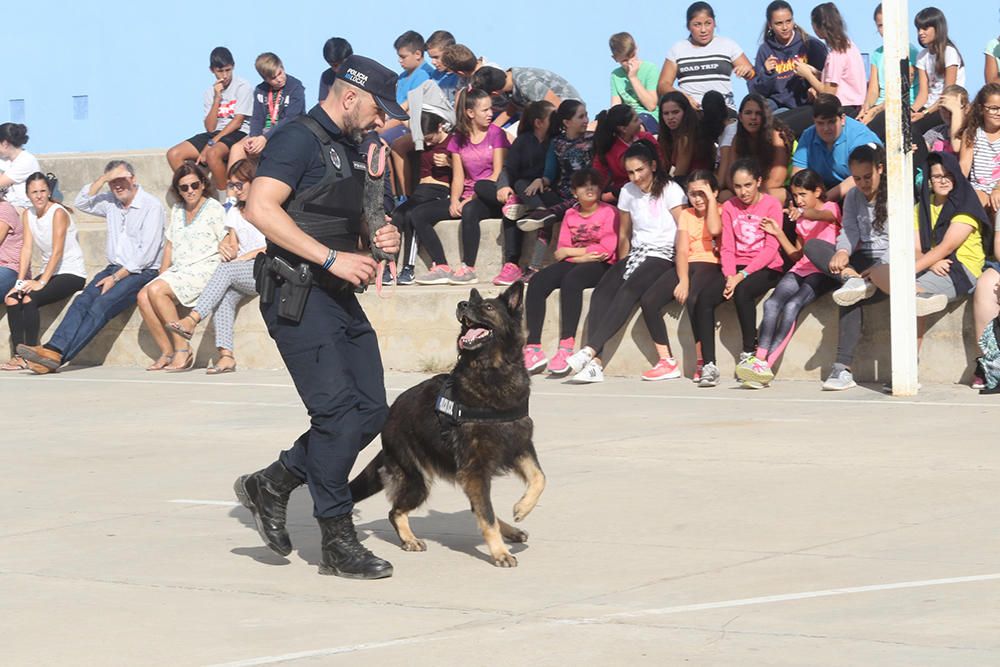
{"x": 475, "y": 297}
{"x": 513, "y": 298}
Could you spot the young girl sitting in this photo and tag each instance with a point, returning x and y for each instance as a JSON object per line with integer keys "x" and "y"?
{"x": 695, "y": 249}
{"x": 650, "y": 205}
{"x": 678, "y": 135}
{"x": 980, "y": 154}
{"x": 758, "y": 135}
{"x": 751, "y": 263}
{"x": 477, "y": 152}
{"x": 617, "y": 129}
{"x": 588, "y": 241}
{"x": 803, "y": 284}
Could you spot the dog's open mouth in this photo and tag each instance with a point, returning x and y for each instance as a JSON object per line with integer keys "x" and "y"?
{"x": 474, "y": 335}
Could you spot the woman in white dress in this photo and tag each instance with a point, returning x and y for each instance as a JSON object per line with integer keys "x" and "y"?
{"x": 190, "y": 257}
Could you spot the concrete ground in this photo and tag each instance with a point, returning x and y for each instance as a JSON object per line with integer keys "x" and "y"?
{"x": 703, "y": 527}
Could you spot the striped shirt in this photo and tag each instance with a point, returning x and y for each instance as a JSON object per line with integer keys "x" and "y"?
{"x": 985, "y": 172}
{"x": 704, "y": 68}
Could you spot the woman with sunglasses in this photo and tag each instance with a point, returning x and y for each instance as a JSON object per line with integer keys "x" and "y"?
{"x": 233, "y": 278}
{"x": 190, "y": 257}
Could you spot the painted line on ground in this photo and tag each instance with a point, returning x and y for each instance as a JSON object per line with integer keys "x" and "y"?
{"x": 787, "y": 597}
{"x": 319, "y": 653}
{"x": 187, "y": 501}
{"x": 257, "y": 404}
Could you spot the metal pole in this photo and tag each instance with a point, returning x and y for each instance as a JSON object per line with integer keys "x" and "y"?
{"x": 899, "y": 171}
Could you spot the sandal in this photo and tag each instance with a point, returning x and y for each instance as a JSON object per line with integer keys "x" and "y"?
{"x": 180, "y": 330}
{"x": 161, "y": 362}
{"x": 16, "y": 363}
{"x": 188, "y": 365}
{"x": 219, "y": 370}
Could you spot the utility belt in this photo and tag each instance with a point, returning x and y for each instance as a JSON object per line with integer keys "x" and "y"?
{"x": 277, "y": 278}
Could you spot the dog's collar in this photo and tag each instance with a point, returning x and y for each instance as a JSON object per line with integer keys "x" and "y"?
{"x": 446, "y": 405}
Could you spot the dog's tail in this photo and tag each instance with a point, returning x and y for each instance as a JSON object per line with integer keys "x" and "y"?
{"x": 369, "y": 482}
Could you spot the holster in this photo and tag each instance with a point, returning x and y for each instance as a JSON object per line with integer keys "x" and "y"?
{"x": 292, "y": 284}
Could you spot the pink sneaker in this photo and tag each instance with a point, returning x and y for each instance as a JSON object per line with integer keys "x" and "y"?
{"x": 665, "y": 369}
{"x": 558, "y": 365}
{"x": 696, "y": 378}
{"x": 514, "y": 209}
{"x": 509, "y": 274}
{"x": 534, "y": 358}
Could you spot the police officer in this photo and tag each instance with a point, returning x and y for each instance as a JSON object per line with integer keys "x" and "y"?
{"x": 307, "y": 199}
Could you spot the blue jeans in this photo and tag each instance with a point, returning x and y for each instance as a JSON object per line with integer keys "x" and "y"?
{"x": 7, "y": 279}
{"x": 91, "y": 310}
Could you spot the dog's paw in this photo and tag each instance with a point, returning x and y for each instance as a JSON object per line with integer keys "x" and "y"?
{"x": 414, "y": 545}
{"x": 505, "y": 560}
{"x": 512, "y": 534}
{"x": 521, "y": 511}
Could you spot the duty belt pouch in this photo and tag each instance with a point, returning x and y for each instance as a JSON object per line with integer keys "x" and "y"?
{"x": 263, "y": 278}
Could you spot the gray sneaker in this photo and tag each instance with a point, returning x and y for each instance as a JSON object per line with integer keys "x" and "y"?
{"x": 928, "y": 304}
{"x": 464, "y": 275}
{"x": 440, "y": 274}
{"x": 854, "y": 290}
{"x": 709, "y": 375}
{"x": 840, "y": 379}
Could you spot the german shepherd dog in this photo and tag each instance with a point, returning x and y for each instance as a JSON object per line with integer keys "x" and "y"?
{"x": 421, "y": 442}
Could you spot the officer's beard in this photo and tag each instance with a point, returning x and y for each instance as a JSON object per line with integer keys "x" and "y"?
{"x": 352, "y": 126}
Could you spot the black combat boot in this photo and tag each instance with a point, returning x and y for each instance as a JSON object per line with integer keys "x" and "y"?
{"x": 344, "y": 556}
{"x": 265, "y": 493}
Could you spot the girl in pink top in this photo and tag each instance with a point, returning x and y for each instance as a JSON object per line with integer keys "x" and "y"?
{"x": 751, "y": 263}
{"x": 617, "y": 129}
{"x": 843, "y": 74}
{"x": 588, "y": 243}
{"x": 803, "y": 284}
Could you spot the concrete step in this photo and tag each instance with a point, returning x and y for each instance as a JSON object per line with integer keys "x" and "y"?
{"x": 417, "y": 329}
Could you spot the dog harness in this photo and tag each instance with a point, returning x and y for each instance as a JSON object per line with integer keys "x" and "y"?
{"x": 447, "y": 408}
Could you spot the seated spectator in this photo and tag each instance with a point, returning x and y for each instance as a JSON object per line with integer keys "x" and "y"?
{"x": 50, "y": 227}
{"x": 843, "y": 74}
{"x": 862, "y": 243}
{"x": 588, "y": 242}
{"x": 696, "y": 248}
{"x": 751, "y": 263}
{"x": 518, "y": 87}
{"x": 801, "y": 285}
{"x": 703, "y": 61}
{"x": 980, "y": 150}
{"x": 939, "y": 64}
{"x": 233, "y": 278}
{"x": 228, "y": 107}
{"x": 872, "y": 113}
{"x": 954, "y": 109}
{"x": 190, "y": 257}
{"x": 521, "y": 186}
{"x": 758, "y": 135}
{"x": 410, "y": 49}
{"x": 634, "y": 81}
{"x": 335, "y": 51}
{"x": 447, "y": 81}
{"x": 986, "y": 303}
{"x": 461, "y": 61}
{"x": 617, "y": 129}
{"x": 825, "y": 146}
{"x": 477, "y": 152}
{"x": 278, "y": 99}
{"x": 650, "y": 205}
{"x": 784, "y": 45}
{"x": 135, "y": 221}
{"x": 678, "y": 135}
{"x": 11, "y": 241}
{"x": 991, "y": 71}
{"x": 16, "y": 164}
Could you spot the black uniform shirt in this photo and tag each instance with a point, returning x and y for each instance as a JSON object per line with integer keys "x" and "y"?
{"x": 293, "y": 154}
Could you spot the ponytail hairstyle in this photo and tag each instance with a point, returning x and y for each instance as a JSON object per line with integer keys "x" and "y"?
{"x": 466, "y": 101}
{"x": 807, "y": 179}
{"x": 714, "y": 116}
{"x": 932, "y": 17}
{"x": 699, "y": 8}
{"x": 645, "y": 150}
{"x": 684, "y": 136}
{"x": 774, "y": 8}
{"x": 608, "y": 123}
{"x": 976, "y": 118}
{"x": 567, "y": 109}
{"x": 875, "y": 156}
{"x": 829, "y": 24}
{"x": 534, "y": 112}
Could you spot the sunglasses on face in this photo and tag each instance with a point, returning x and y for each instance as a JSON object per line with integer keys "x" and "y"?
{"x": 236, "y": 185}
{"x": 193, "y": 187}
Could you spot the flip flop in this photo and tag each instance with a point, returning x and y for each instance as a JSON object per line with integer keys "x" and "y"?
{"x": 215, "y": 370}
{"x": 181, "y": 331}
{"x": 15, "y": 364}
{"x": 188, "y": 365}
{"x": 153, "y": 367}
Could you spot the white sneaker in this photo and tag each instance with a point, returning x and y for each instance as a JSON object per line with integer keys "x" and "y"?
{"x": 854, "y": 290}
{"x": 578, "y": 360}
{"x": 592, "y": 372}
{"x": 930, "y": 304}
{"x": 839, "y": 380}
{"x": 709, "y": 375}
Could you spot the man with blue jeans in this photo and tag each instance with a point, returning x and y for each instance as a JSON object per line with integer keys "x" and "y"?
{"x": 135, "y": 248}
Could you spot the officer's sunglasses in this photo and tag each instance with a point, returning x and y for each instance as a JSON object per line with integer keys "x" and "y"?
{"x": 194, "y": 187}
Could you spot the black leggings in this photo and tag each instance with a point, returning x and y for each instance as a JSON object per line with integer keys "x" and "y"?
{"x": 23, "y": 316}
{"x": 744, "y": 297}
{"x": 542, "y": 199}
{"x": 402, "y": 219}
{"x": 661, "y": 293}
{"x": 482, "y": 206}
{"x": 783, "y": 307}
{"x": 570, "y": 279}
{"x": 423, "y": 218}
{"x": 615, "y": 297}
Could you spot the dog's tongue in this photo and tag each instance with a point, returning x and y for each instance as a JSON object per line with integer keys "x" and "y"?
{"x": 473, "y": 334}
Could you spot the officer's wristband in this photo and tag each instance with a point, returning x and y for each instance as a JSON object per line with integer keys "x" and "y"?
{"x": 331, "y": 257}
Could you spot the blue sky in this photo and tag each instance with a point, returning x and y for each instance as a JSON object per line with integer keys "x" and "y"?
{"x": 144, "y": 66}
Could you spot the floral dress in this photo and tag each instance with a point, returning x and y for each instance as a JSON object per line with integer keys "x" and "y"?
{"x": 194, "y": 249}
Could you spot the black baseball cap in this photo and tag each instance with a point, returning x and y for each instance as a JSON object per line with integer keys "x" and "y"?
{"x": 370, "y": 76}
